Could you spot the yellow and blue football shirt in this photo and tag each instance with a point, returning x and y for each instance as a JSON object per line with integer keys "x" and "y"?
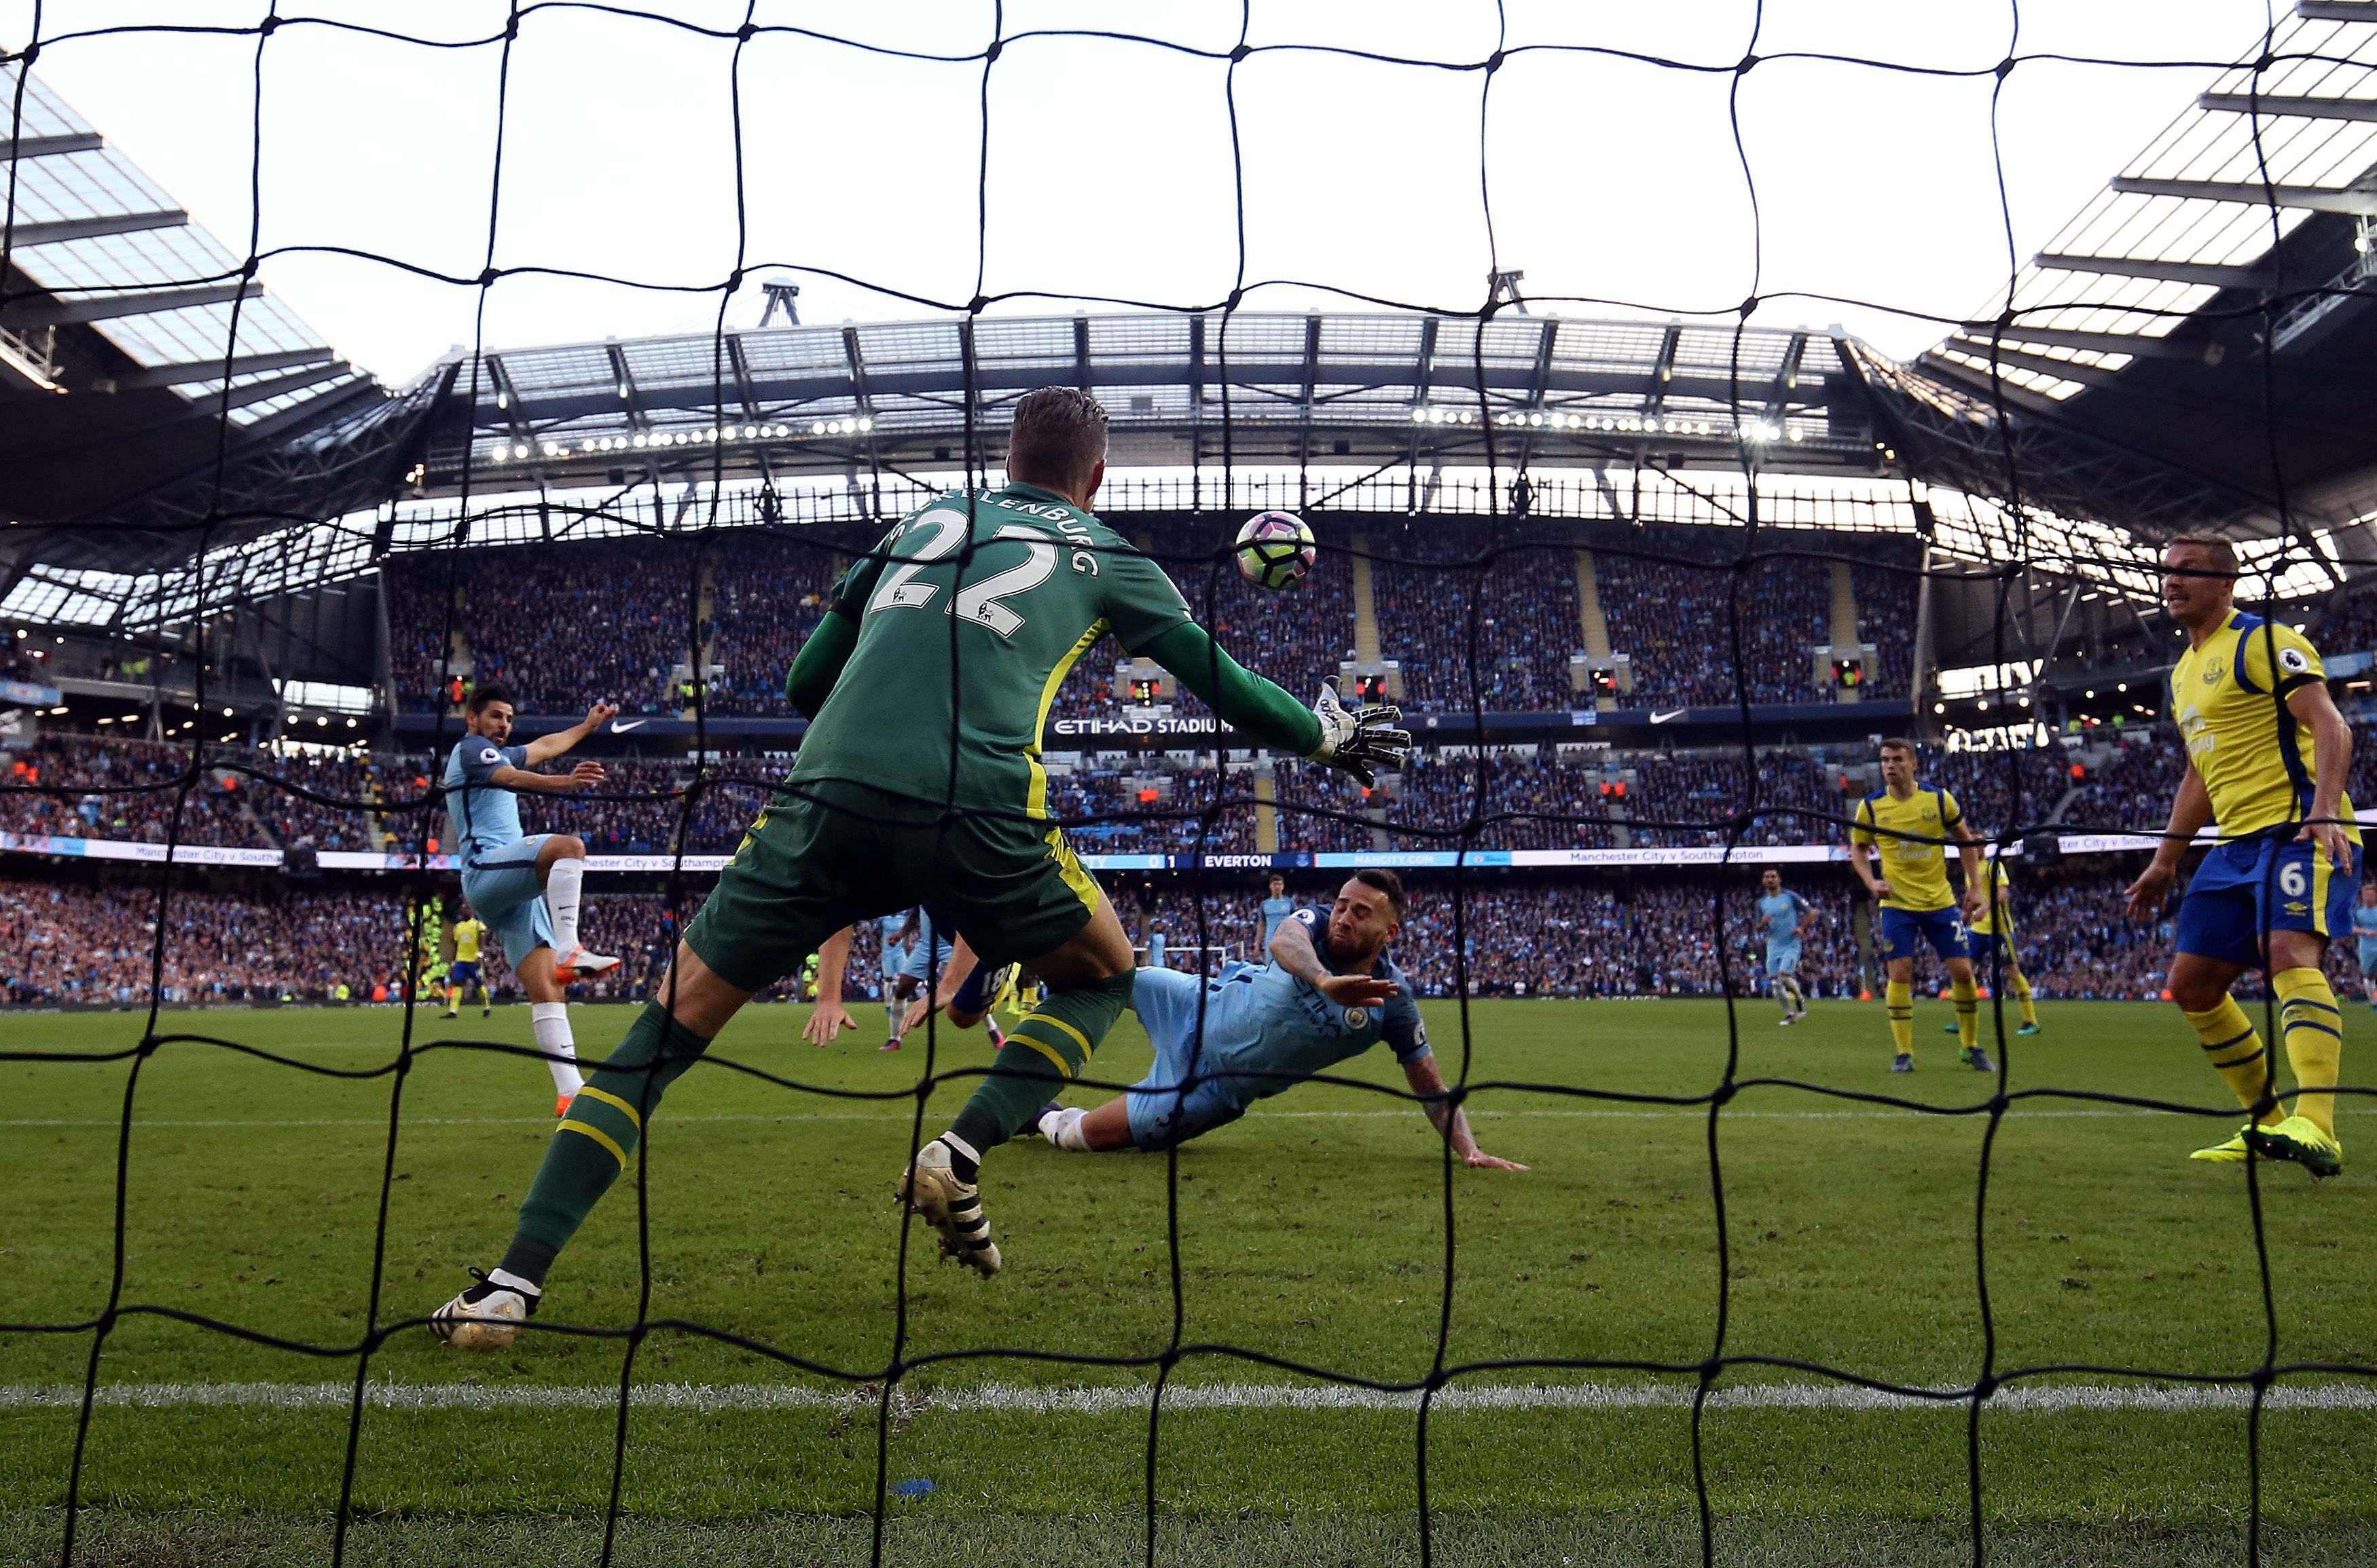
{"x": 1915, "y": 865}
{"x": 467, "y": 935}
{"x": 1997, "y": 908}
{"x": 2229, "y": 698}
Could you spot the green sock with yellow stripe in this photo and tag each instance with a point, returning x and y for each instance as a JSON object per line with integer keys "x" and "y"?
{"x": 598, "y": 1137}
{"x": 1045, "y": 1048}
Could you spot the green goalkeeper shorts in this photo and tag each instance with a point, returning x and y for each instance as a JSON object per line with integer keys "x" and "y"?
{"x": 838, "y": 851}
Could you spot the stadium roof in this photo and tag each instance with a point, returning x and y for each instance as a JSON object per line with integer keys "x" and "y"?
{"x": 1312, "y": 388}
{"x": 130, "y": 338}
{"x": 2130, "y": 387}
{"x": 2211, "y": 311}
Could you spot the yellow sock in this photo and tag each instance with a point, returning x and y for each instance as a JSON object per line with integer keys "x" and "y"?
{"x": 1965, "y": 1000}
{"x": 453, "y": 998}
{"x": 2235, "y": 1052}
{"x": 2311, "y": 1025}
{"x": 2018, "y": 983}
{"x": 1898, "y": 1001}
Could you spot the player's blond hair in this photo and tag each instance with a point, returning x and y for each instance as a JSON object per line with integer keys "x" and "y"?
{"x": 2223, "y": 551}
{"x": 1060, "y": 436}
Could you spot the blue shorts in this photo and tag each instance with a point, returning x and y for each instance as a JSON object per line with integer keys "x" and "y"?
{"x": 1782, "y": 958}
{"x": 1166, "y": 1002}
{"x": 895, "y": 963}
{"x": 465, "y": 972}
{"x": 2255, "y": 886}
{"x": 1943, "y": 928}
{"x": 2368, "y": 956}
{"x": 503, "y": 888}
{"x": 912, "y": 965}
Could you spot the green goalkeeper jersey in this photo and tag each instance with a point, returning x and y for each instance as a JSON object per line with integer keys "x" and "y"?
{"x": 967, "y": 655}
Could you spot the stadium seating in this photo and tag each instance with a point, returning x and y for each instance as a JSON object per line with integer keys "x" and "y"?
{"x": 564, "y": 624}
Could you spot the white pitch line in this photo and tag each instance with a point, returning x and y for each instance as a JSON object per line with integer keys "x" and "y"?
{"x": 1696, "y": 1113}
{"x": 1028, "y": 1400}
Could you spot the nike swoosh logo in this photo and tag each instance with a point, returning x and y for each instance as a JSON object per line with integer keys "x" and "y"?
{"x": 1664, "y": 718}
{"x": 621, "y": 726}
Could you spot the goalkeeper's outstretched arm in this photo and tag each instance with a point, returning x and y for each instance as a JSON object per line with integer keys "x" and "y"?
{"x": 1359, "y": 740}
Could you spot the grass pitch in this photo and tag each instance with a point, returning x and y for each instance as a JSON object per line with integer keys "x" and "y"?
{"x": 1313, "y": 1231}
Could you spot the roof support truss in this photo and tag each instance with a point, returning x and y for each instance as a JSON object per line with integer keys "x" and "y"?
{"x": 279, "y": 386}
{"x": 51, "y": 146}
{"x": 2335, "y": 10}
{"x": 623, "y": 383}
{"x": 109, "y": 308}
{"x": 2311, "y": 198}
{"x": 59, "y": 230}
{"x": 2015, "y": 359}
{"x": 1663, "y": 370}
{"x": 2210, "y": 274}
{"x": 216, "y": 370}
{"x": 2272, "y": 106}
{"x": 2136, "y": 346}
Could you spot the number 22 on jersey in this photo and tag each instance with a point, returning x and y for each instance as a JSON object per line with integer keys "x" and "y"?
{"x": 983, "y": 602}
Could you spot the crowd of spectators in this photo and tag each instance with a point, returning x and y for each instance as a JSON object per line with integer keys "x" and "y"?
{"x": 84, "y": 787}
{"x": 563, "y": 625}
{"x": 770, "y": 593}
{"x": 1437, "y": 583}
{"x": 1516, "y": 800}
{"x": 71, "y": 943}
{"x": 1672, "y": 609}
{"x": 2132, "y": 788}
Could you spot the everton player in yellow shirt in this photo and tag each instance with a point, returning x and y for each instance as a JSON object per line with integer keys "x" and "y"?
{"x": 2267, "y": 755}
{"x": 1909, "y": 824}
{"x": 469, "y": 932}
{"x": 1991, "y": 931}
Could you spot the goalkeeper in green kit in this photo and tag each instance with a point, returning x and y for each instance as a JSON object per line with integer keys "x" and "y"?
{"x": 919, "y": 782}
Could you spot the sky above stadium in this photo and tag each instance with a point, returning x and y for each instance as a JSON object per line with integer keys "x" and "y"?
{"x": 1612, "y": 179}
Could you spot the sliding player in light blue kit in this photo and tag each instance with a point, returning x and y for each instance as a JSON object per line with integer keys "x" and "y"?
{"x": 1329, "y": 993}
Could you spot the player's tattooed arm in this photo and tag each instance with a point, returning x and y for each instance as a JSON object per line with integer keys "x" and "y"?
{"x": 1450, "y": 1119}
{"x": 1293, "y": 950}
{"x": 2189, "y": 810}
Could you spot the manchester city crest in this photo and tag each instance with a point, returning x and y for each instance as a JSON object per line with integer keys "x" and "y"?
{"x": 1358, "y": 1017}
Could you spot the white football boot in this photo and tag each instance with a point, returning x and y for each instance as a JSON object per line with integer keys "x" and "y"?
{"x": 952, "y": 1207}
{"x": 486, "y": 1316}
{"x": 578, "y": 964}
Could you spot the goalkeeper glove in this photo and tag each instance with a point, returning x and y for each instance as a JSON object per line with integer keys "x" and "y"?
{"x": 1359, "y": 740}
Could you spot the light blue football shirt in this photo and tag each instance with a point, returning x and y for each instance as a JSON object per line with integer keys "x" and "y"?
{"x": 485, "y": 819}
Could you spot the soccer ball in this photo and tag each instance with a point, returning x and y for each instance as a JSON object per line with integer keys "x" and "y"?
{"x": 1275, "y": 550}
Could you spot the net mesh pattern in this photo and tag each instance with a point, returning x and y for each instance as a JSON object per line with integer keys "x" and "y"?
{"x": 1754, "y": 552}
